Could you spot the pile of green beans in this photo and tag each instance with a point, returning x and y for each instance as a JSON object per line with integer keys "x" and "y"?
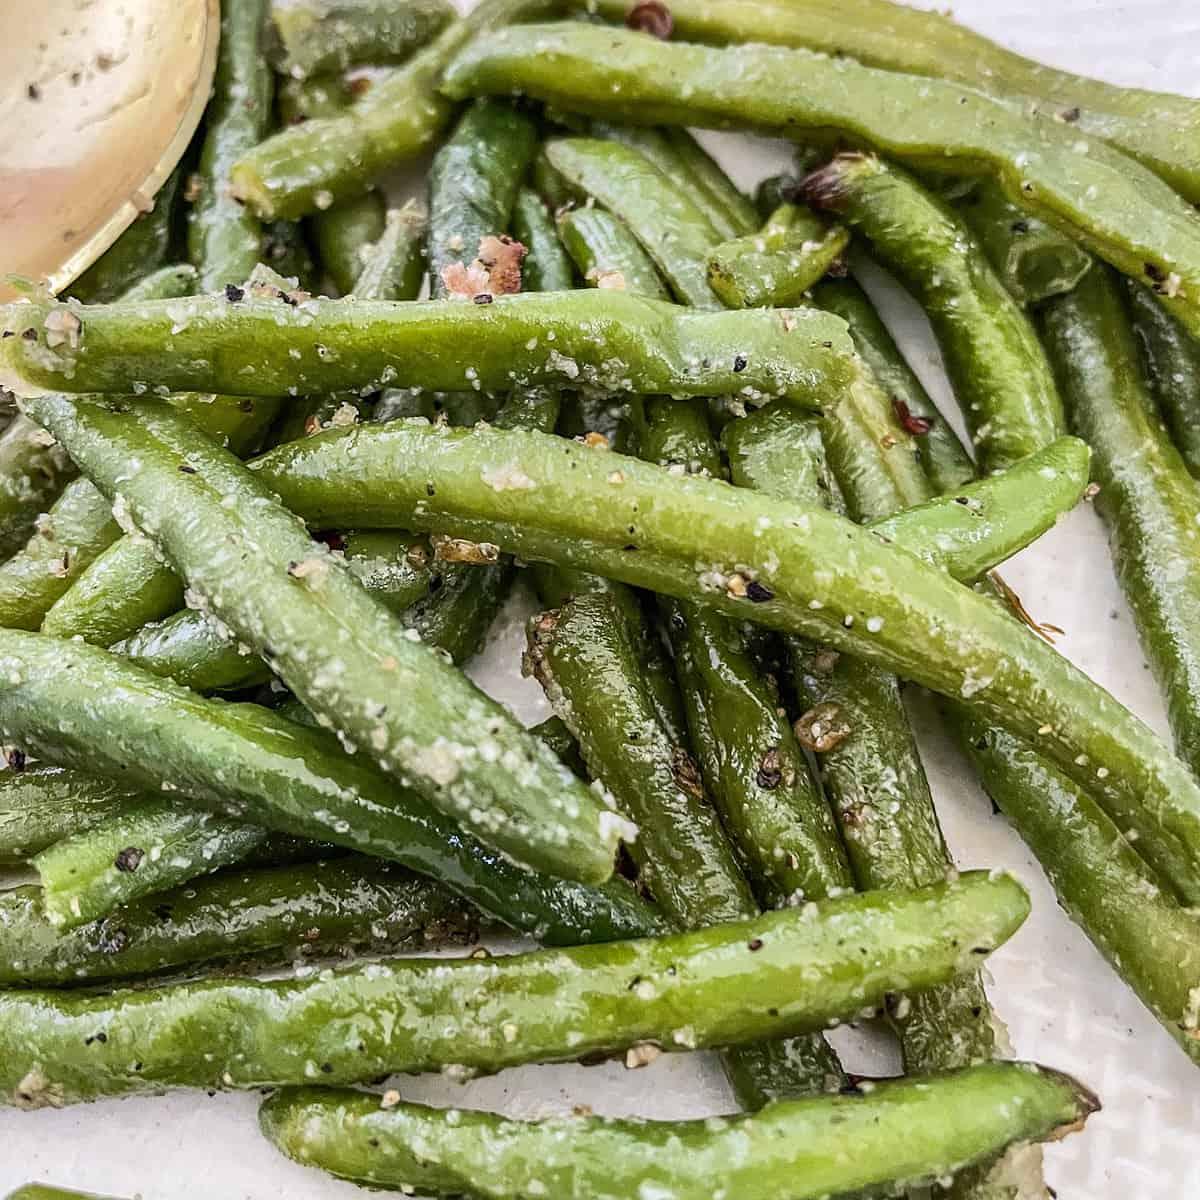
{"x": 253, "y": 534}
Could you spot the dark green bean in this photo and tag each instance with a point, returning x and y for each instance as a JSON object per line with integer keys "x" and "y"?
{"x": 343, "y": 235}
{"x": 224, "y": 237}
{"x": 607, "y": 253}
{"x": 311, "y": 36}
{"x": 1034, "y": 261}
{"x": 1147, "y": 498}
{"x": 783, "y": 973}
{"x": 254, "y": 766}
{"x": 259, "y": 916}
{"x": 946, "y": 462}
{"x": 899, "y": 1135}
{"x": 41, "y": 804}
{"x": 1120, "y": 210}
{"x": 310, "y": 166}
{"x": 1172, "y": 359}
{"x": 1003, "y": 383}
{"x": 546, "y": 267}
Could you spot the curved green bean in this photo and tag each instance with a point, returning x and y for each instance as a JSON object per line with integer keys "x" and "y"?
{"x": 41, "y": 804}
{"x": 904, "y": 616}
{"x": 225, "y": 238}
{"x": 1172, "y": 360}
{"x": 1148, "y": 500}
{"x": 1034, "y": 261}
{"x": 607, "y": 254}
{"x": 473, "y": 186}
{"x": 270, "y": 914}
{"x": 1003, "y": 383}
{"x": 901, "y": 1132}
{"x": 783, "y": 973}
{"x": 314, "y": 36}
{"x": 546, "y": 267}
{"x": 34, "y": 469}
{"x": 1157, "y": 128}
{"x": 252, "y": 565}
{"x": 45, "y": 1191}
{"x": 343, "y": 235}
{"x": 1099, "y": 878}
{"x": 310, "y": 166}
{"x": 943, "y": 457}
{"x": 1120, "y": 210}
{"x": 252, "y": 765}
{"x": 777, "y": 265}
{"x": 672, "y": 228}
{"x": 594, "y": 338}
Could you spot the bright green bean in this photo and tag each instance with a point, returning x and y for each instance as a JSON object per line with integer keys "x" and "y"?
{"x": 783, "y": 973}
{"x": 1120, "y": 210}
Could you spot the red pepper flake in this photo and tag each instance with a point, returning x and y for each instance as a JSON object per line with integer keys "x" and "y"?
{"x": 909, "y": 421}
{"x": 652, "y": 17}
{"x": 129, "y": 859}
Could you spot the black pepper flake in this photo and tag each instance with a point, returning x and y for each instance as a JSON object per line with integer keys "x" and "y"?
{"x": 963, "y": 500}
{"x": 1071, "y": 115}
{"x": 129, "y": 859}
{"x": 33, "y": 92}
{"x": 482, "y": 298}
{"x": 327, "y": 1068}
{"x": 652, "y": 17}
{"x": 30, "y": 334}
{"x": 187, "y": 468}
{"x": 1155, "y": 272}
{"x": 7, "y": 334}
{"x": 981, "y": 949}
{"x": 286, "y": 297}
{"x": 15, "y": 758}
{"x": 163, "y": 912}
{"x": 740, "y": 363}
{"x": 758, "y": 592}
{"x": 629, "y": 546}
{"x": 234, "y": 294}
{"x": 755, "y": 944}
{"x": 1021, "y": 226}
{"x": 430, "y": 490}
{"x": 100, "y": 1037}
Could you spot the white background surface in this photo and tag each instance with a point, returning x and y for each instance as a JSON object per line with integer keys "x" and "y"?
{"x": 1062, "y": 1004}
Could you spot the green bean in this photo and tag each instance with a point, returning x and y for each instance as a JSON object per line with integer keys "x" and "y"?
{"x": 783, "y": 973}
{"x": 142, "y": 247}
{"x": 34, "y": 469}
{"x": 159, "y": 840}
{"x": 313, "y": 36}
{"x": 546, "y": 267}
{"x": 943, "y": 457}
{"x": 607, "y": 254}
{"x": 673, "y": 230}
{"x": 300, "y": 100}
{"x": 473, "y": 187}
{"x": 250, "y": 764}
{"x": 922, "y": 626}
{"x": 1033, "y": 260}
{"x": 554, "y": 732}
{"x": 259, "y": 916}
{"x": 127, "y": 585}
{"x": 343, "y": 235}
{"x": 41, "y": 804}
{"x": 1147, "y": 498}
{"x": 393, "y": 267}
{"x": 1118, "y": 209}
{"x": 310, "y": 166}
{"x": 224, "y": 237}
{"x": 1171, "y": 357}
{"x": 343, "y": 655}
{"x": 594, "y": 338}
{"x": 1157, "y": 128}
{"x": 1004, "y": 384}
{"x": 1105, "y": 887}
{"x": 586, "y": 661}
{"x": 777, "y": 265}
{"x": 903, "y": 1132}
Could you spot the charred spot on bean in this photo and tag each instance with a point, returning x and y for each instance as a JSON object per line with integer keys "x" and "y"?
{"x": 1020, "y": 226}
{"x": 163, "y": 911}
{"x": 770, "y": 770}
{"x": 1155, "y": 272}
{"x": 129, "y": 859}
{"x": 758, "y": 593}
